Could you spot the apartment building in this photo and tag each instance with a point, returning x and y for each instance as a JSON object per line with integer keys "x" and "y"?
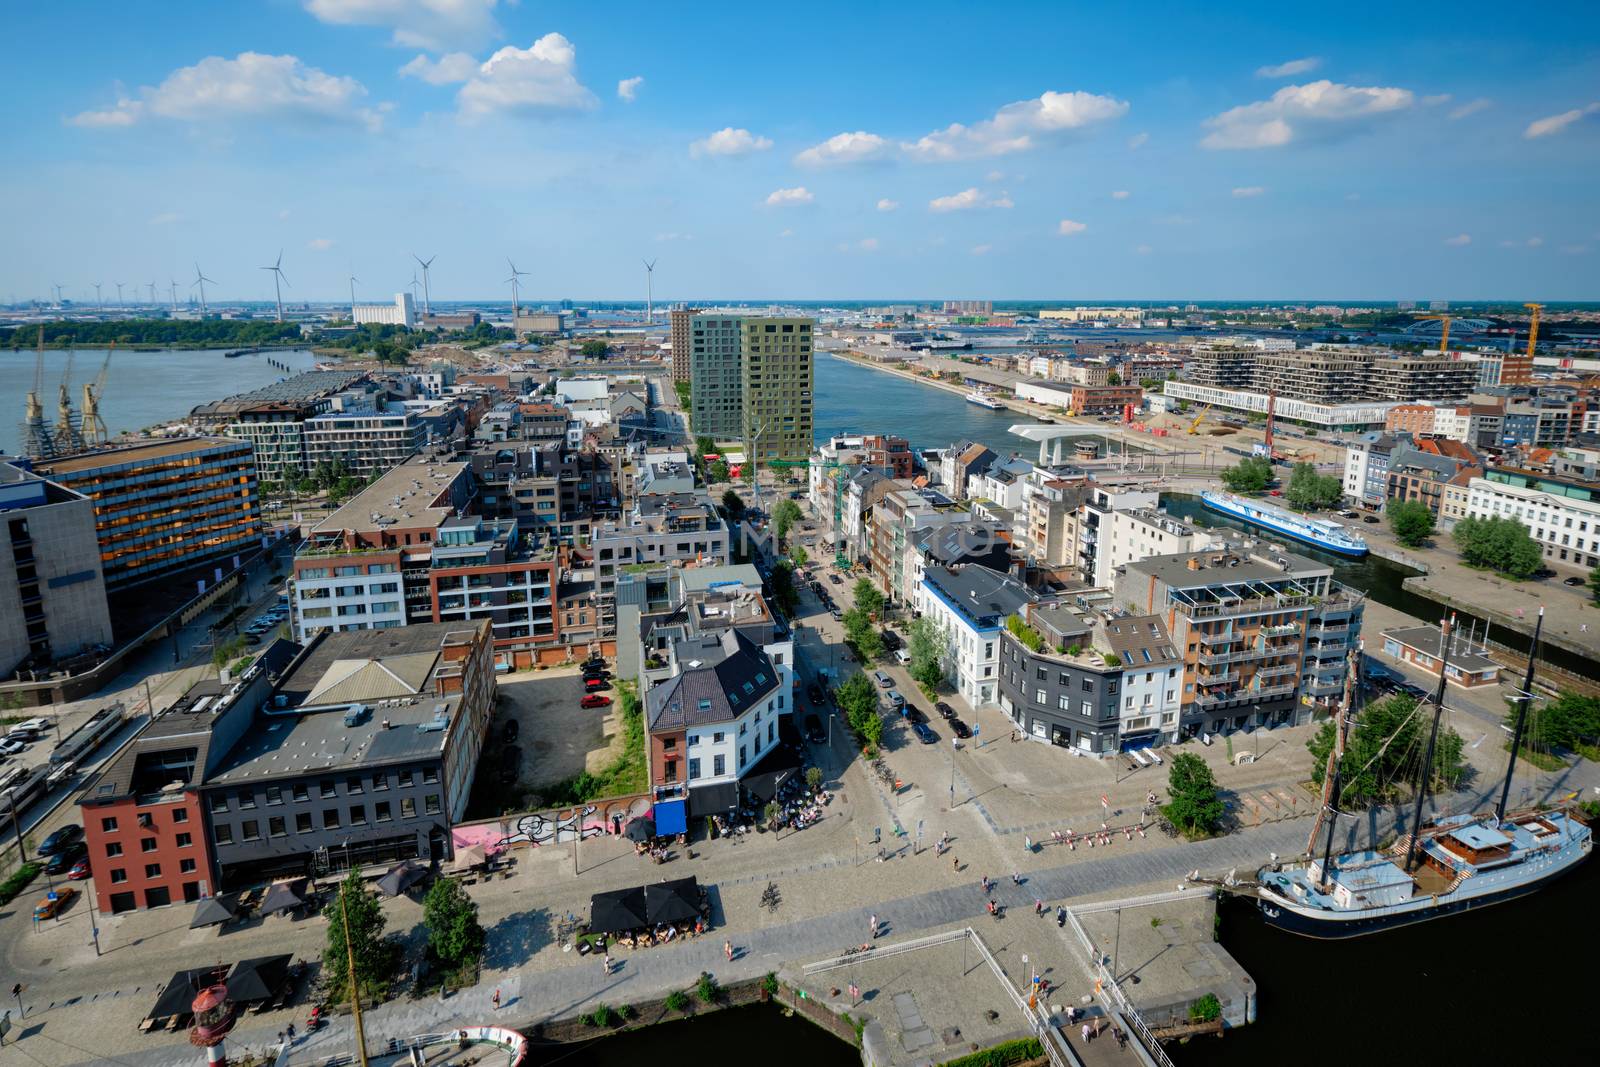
{"x": 1319, "y": 376}
{"x": 52, "y": 587}
{"x": 1105, "y": 399}
{"x": 752, "y": 382}
{"x": 680, "y": 334}
{"x": 1562, "y": 513}
{"x": 162, "y": 506}
{"x": 1420, "y": 376}
{"x": 861, "y": 493}
{"x": 959, "y": 463}
{"x": 680, "y": 527}
{"x": 1094, "y": 517}
{"x": 1048, "y": 528}
{"x": 1221, "y": 366}
{"x": 1128, "y": 534}
{"x": 969, "y": 604}
{"x": 900, "y": 513}
{"x": 366, "y": 441}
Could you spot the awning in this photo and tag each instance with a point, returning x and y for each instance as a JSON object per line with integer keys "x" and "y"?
{"x": 401, "y": 877}
{"x": 716, "y": 798}
{"x": 214, "y": 910}
{"x": 617, "y": 911}
{"x": 258, "y": 979}
{"x": 283, "y": 896}
{"x": 764, "y": 787}
{"x": 672, "y": 902}
{"x": 672, "y": 817}
{"x": 177, "y": 996}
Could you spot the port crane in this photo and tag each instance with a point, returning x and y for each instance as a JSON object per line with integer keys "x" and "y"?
{"x": 66, "y": 437}
{"x": 37, "y": 440}
{"x": 1533, "y": 328}
{"x": 92, "y": 428}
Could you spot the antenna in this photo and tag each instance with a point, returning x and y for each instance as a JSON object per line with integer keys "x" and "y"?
{"x": 353, "y": 280}
{"x": 515, "y": 275}
{"x": 200, "y": 279}
{"x": 278, "y": 282}
{"x": 427, "y": 293}
{"x": 649, "y": 291}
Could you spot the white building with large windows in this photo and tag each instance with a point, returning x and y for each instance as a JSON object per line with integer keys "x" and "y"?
{"x": 970, "y": 604}
{"x": 1561, "y": 513}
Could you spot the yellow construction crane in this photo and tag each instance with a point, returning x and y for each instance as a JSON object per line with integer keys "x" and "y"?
{"x": 92, "y": 426}
{"x": 1444, "y": 333}
{"x": 1194, "y": 427}
{"x": 1533, "y": 328}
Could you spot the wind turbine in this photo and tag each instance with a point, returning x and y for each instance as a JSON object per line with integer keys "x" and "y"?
{"x": 57, "y": 287}
{"x": 119, "y": 294}
{"x": 353, "y": 280}
{"x": 649, "y": 291}
{"x": 97, "y": 301}
{"x": 200, "y": 279}
{"x": 278, "y": 281}
{"x": 152, "y": 286}
{"x": 515, "y": 275}
{"x": 427, "y": 293}
{"x": 414, "y": 284}
{"x": 172, "y": 285}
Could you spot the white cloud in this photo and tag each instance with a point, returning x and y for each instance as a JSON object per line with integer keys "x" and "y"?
{"x": 1143, "y": 250}
{"x": 857, "y": 147}
{"x": 1290, "y": 68}
{"x": 1471, "y": 107}
{"x": 249, "y": 86}
{"x": 968, "y": 200}
{"x": 888, "y": 205}
{"x": 786, "y": 233}
{"x": 1119, "y": 194}
{"x": 435, "y": 24}
{"x": 1138, "y": 141}
{"x": 628, "y": 89}
{"x": 982, "y": 250}
{"x": 320, "y": 244}
{"x": 729, "y": 142}
{"x": 1014, "y": 126}
{"x": 674, "y": 236}
{"x": 446, "y": 70}
{"x": 994, "y": 176}
{"x": 1297, "y": 109}
{"x": 1068, "y": 228}
{"x": 1436, "y": 99}
{"x": 1575, "y": 250}
{"x": 1554, "y": 124}
{"x": 1245, "y": 192}
{"x": 542, "y": 77}
{"x": 784, "y": 197}
{"x": 1460, "y": 240}
{"x": 1532, "y": 242}
{"x": 166, "y": 218}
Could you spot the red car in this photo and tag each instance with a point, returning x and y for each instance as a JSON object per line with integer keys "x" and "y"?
{"x": 80, "y": 870}
{"x": 593, "y": 684}
{"x": 595, "y": 700}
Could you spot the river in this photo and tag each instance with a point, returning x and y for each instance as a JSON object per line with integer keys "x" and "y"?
{"x": 735, "y": 1035}
{"x": 142, "y": 388}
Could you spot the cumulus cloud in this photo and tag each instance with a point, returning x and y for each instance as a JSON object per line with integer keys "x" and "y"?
{"x": 628, "y": 89}
{"x": 868, "y": 244}
{"x": 1460, "y": 240}
{"x": 1245, "y": 192}
{"x": 1554, "y": 124}
{"x": 1296, "y": 110}
{"x": 857, "y": 147}
{"x": 1532, "y": 242}
{"x": 1290, "y": 68}
{"x": 1138, "y": 141}
{"x": 1014, "y": 127}
{"x": 446, "y": 70}
{"x": 1068, "y": 227}
{"x": 166, "y": 218}
{"x": 540, "y": 78}
{"x": 249, "y": 86}
{"x": 786, "y": 233}
{"x": 435, "y": 24}
{"x": 982, "y": 250}
{"x": 1471, "y": 107}
{"x": 786, "y": 197}
{"x": 888, "y": 205}
{"x": 320, "y": 244}
{"x": 729, "y": 141}
{"x": 968, "y": 200}
{"x": 1119, "y": 194}
{"x": 1143, "y": 250}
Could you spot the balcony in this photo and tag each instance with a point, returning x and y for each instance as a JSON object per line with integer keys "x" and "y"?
{"x": 1218, "y": 679}
{"x": 1266, "y": 692}
{"x": 1240, "y": 656}
{"x": 1281, "y": 631}
{"x": 1228, "y": 609}
{"x": 1228, "y": 637}
{"x": 1278, "y": 671}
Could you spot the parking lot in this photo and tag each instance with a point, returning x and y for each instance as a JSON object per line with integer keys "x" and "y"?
{"x": 555, "y": 737}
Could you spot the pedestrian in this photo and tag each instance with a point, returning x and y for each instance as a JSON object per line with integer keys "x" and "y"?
{"x": 1016, "y": 878}
{"x": 1085, "y": 1033}
{"x": 1061, "y": 917}
{"x": 955, "y": 864}
{"x": 873, "y": 923}
{"x": 881, "y": 855}
{"x": 497, "y": 1000}
{"x": 1038, "y": 906}
{"x": 280, "y": 1037}
{"x": 727, "y": 950}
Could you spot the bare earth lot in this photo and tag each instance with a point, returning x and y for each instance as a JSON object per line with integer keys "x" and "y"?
{"x": 558, "y": 739}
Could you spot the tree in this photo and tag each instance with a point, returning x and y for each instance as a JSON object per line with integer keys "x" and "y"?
{"x": 451, "y": 917}
{"x": 594, "y": 348}
{"x": 1113, "y": 378}
{"x": 1383, "y": 751}
{"x": 356, "y": 904}
{"x": 858, "y": 699}
{"x": 1148, "y": 384}
{"x": 718, "y": 472}
{"x": 1566, "y": 722}
{"x": 704, "y": 446}
{"x": 1594, "y": 584}
{"x": 733, "y": 505}
{"x": 784, "y": 515}
{"x": 1308, "y": 489}
{"x": 1411, "y": 521}
{"x": 783, "y": 587}
{"x": 926, "y": 647}
{"x": 799, "y": 555}
{"x": 1500, "y": 544}
{"x": 862, "y": 635}
{"x": 868, "y": 598}
{"x": 1195, "y": 807}
{"x": 1250, "y": 475}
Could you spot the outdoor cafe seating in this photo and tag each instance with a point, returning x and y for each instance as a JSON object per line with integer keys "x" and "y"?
{"x": 651, "y": 914}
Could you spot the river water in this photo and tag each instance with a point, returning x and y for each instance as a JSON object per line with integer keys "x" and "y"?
{"x": 735, "y": 1035}
{"x": 142, "y": 388}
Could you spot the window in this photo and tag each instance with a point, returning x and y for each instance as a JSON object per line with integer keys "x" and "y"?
{"x": 380, "y": 811}
{"x": 430, "y": 775}
{"x": 118, "y": 875}
{"x": 1063, "y": 702}
{"x": 274, "y": 794}
{"x": 326, "y": 787}
{"x": 330, "y": 818}
{"x": 247, "y": 800}
{"x": 302, "y": 791}
{"x": 276, "y": 827}
{"x": 113, "y": 849}
{"x": 219, "y": 803}
{"x": 353, "y": 785}
{"x": 380, "y": 782}
{"x": 408, "y": 808}
{"x": 771, "y": 731}
{"x": 1040, "y": 672}
{"x": 716, "y": 739}
{"x": 223, "y": 833}
{"x": 108, "y": 825}
{"x": 186, "y": 866}
{"x": 249, "y": 830}
{"x": 1040, "y": 696}
{"x": 1088, "y": 686}
{"x": 302, "y": 823}
{"x": 358, "y": 815}
{"x": 184, "y": 840}
{"x": 742, "y": 727}
{"x": 182, "y": 814}
{"x": 405, "y": 779}
{"x": 694, "y": 769}
{"x": 430, "y": 804}
{"x": 147, "y": 844}
{"x": 152, "y": 870}
{"x": 719, "y": 764}
{"x": 1087, "y": 708}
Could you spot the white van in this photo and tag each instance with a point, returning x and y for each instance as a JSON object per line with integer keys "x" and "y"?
{"x": 902, "y": 657}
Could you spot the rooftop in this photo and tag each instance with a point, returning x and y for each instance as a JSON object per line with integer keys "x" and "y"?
{"x": 140, "y": 453}
{"x": 409, "y": 495}
{"x": 312, "y": 385}
{"x": 720, "y": 678}
{"x": 1425, "y": 639}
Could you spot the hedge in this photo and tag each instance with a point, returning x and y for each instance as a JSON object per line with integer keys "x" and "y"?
{"x": 1002, "y": 1055}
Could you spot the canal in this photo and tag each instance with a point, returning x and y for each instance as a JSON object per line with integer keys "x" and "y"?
{"x": 736, "y": 1035}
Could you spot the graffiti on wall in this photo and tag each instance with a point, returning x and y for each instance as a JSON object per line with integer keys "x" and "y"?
{"x": 563, "y": 824}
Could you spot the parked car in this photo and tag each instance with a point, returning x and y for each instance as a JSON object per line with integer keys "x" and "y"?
{"x": 595, "y": 700}
{"x": 945, "y": 710}
{"x": 47, "y": 908}
{"x": 63, "y": 861}
{"x": 29, "y": 727}
{"x": 891, "y": 640}
{"x": 1371, "y": 518}
{"x": 895, "y": 699}
{"x": 11, "y": 746}
{"x": 959, "y": 728}
{"x": 61, "y": 839}
{"x": 814, "y": 731}
{"x": 814, "y": 693}
{"x": 835, "y": 579}
{"x": 924, "y": 733}
{"x": 594, "y": 685}
{"x": 833, "y": 610}
{"x": 1574, "y": 580}
{"x": 883, "y": 680}
{"x": 80, "y": 870}
{"x": 912, "y": 713}
{"x": 595, "y": 670}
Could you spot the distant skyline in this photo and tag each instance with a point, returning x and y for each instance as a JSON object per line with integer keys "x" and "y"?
{"x": 1021, "y": 151}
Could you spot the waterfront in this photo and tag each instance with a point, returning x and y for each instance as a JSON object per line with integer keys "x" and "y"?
{"x": 784, "y": 1041}
{"x": 142, "y": 388}
{"x": 856, "y": 399}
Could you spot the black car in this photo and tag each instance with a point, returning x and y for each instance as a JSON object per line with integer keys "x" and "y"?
{"x": 1371, "y": 518}
{"x": 891, "y": 640}
{"x": 814, "y": 692}
{"x": 62, "y": 838}
{"x": 1412, "y": 690}
{"x": 1572, "y": 581}
{"x": 945, "y": 710}
{"x": 836, "y": 613}
{"x": 61, "y": 862}
{"x": 835, "y": 579}
{"x": 913, "y": 714}
{"x": 814, "y": 731}
{"x": 816, "y": 588}
{"x": 595, "y": 670}
{"x": 924, "y": 733}
{"x": 959, "y": 728}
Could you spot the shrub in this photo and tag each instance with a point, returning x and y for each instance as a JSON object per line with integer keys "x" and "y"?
{"x": 769, "y": 984}
{"x": 1206, "y": 1009}
{"x": 18, "y": 881}
{"x": 1018, "y": 1050}
{"x": 707, "y": 989}
{"x": 677, "y": 1000}
{"x": 601, "y": 1016}
{"x": 1111, "y": 659}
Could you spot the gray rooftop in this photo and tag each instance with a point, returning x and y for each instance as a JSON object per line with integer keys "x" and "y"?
{"x": 720, "y": 678}
{"x": 1227, "y": 566}
{"x": 312, "y": 385}
{"x": 1425, "y": 639}
{"x": 984, "y": 596}
{"x": 404, "y": 496}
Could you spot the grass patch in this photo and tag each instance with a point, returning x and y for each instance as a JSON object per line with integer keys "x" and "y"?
{"x": 625, "y": 774}
{"x": 1206, "y": 1009}
{"x": 1588, "y": 752}
{"x": 1005, "y": 1053}
{"x": 1545, "y": 761}
{"x": 19, "y": 881}
{"x": 602, "y": 1016}
{"x": 855, "y": 1024}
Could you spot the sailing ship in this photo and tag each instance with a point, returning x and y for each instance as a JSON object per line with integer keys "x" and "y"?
{"x": 1447, "y": 865}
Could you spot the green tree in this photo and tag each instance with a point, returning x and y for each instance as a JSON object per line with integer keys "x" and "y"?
{"x": 733, "y": 505}
{"x": 799, "y": 555}
{"x": 862, "y": 634}
{"x": 1566, "y": 722}
{"x": 1308, "y": 489}
{"x": 451, "y": 917}
{"x": 783, "y": 586}
{"x": 868, "y": 598}
{"x": 1384, "y": 750}
{"x": 1195, "y": 807}
{"x": 1250, "y": 475}
{"x": 858, "y": 699}
{"x": 1150, "y": 383}
{"x": 594, "y": 348}
{"x": 704, "y": 446}
{"x": 1594, "y": 584}
{"x": 1411, "y": 521}
{"x": 784, "y": 515}
{"x": 926, "y": 647}
{"x": 1501, "y": 544}
{"x": 356, "y": 904}
{"x": 1113, "y": 378}
{"x": 718, "y": 472}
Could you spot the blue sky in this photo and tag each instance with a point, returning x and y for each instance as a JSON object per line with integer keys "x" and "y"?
{"x": 933, "y": 150}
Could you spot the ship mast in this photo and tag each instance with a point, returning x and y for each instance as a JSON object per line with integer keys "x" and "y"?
{"x": 1425, "y": 775}
{"x": 1332, "y": 784}
{"x": 1524, "y": 698}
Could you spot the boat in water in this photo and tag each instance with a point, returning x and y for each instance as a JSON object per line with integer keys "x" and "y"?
{"x": 1318, "y": 533}
{"x": 1452, "y": 864}
{"x": 984, "y": 400}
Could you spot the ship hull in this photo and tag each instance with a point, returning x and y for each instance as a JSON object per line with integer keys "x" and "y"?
{"x": 1305, "y": 539}
{"x": 1324, "y": 927}
{"x": 992, "y": 405}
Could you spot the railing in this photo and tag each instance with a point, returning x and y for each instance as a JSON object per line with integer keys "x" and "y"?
{"x": 1235, "y": 657}
{"x": 1218, "y": 679}
{"x": 1109, "y": 985}
{"x": 1226, "y": 638}
{"x": 1252, "y": 606}
{"x": 1281, "y": 631}
{"x": 1278, "y": 671}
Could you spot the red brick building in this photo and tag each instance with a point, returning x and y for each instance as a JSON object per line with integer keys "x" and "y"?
{"x": 1105, "y": 399}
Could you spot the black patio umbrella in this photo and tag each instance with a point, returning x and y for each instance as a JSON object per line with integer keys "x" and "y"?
{"x": 401, "y": 877}
{"x": 640, "y": 829}
{"x": 672, "y": 902}
{"x": 258, "y": 979}
{"x": 214, "y": 910}
{"x": 283, "y": 896}
{"x": 617, "y": 911}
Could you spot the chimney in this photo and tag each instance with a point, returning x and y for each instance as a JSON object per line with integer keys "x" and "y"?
{"x": 1193, "y": 563}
